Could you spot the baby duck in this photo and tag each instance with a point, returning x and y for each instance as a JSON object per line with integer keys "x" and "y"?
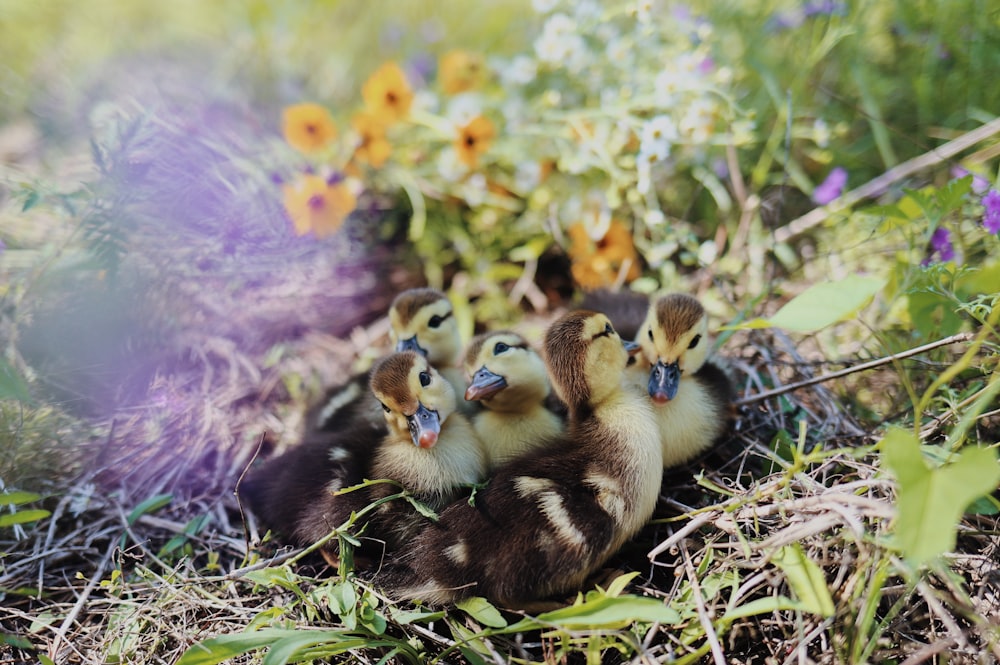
{"x": 420, "y": 320}
{"x": 508, "y": 378}
{"x": 430, "y": 449}
{"x": 549, "y": 518}
{"x": 691, "y": 395}
{"x": 423, "y": 320}
{"x": 342, "y": 430}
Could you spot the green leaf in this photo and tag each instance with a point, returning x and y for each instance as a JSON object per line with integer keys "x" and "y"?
{"x": 31, "y": 200}
{"x": 930, "y": 502}
{"x": 23, "y": 517}
{"x": 16, "y": 641}
{"x": 767, "y": 605}
{"x": 820, "y": 305}
{"x": 604, "y": 613}
{"x": 18, "y": 497}
{"x": 150, "y": 505}
{"x": 806, "y": 579}
{"x": 482, "y": 611}
{"x": 217, "y": 649}
{"x": 950, "y": 196}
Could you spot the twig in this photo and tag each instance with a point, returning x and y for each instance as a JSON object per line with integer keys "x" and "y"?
{"x": 878, "y": 185}
{"x": 703, "y": 618}
{"x": 80, "y": 602}
{"x": 681, "y": 533}
{"x": 871, "y": 364}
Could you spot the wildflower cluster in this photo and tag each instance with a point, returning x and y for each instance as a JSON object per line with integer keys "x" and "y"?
{"x": 572, "y": 143}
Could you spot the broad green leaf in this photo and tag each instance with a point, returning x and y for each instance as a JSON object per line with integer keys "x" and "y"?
{"x": 16, "y": 641}
{"x": 482, "y": 611}
{"x": 820, "y": 305}
{"x": 23, "y": 517}
{"x": 17, "y": 498}
{"x": 288, "y": 648}
{"x": 767, "y": 605}
{"x": 150, "y": 505}
{"x": 606, "y": 613}
{"x": 930, "y": 502}
{"x": 225, "y": 647}
{"x": 806, "y": 579}
{"x": 617, "y": 586}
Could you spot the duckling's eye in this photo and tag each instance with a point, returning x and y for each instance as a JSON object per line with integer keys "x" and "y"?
{"x": 435, "y": 321}
{"x": 425, "y": 379}
{"x": 384, "y": 407}
{"x": 694, "y": 341}
{"x": 500, "y": 348}
{"x": 608, "y": 330}
{"x": 650, "y": 333}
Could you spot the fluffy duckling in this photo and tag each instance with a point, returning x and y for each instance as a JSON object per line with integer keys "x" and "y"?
{"x": 691, "y": 396}
{"x": 420, "y": 320}
{"x": 430, "y": 449}
{"x": 508, "y": 378}
{"x": 551, "y": 517}
{"x": 342, "y": 430}
{"x": 423, "y": 320}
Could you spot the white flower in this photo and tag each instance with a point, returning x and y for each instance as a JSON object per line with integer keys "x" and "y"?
{"x": 462, "y": 108}
{"x": 559, "y": 43}
{"x": 656, "y": 139}
{"x": 527, "y": 176}
{"x": 522, "y": 70}
{"x": 450, "y": 167}
{"x": 821, "y": 133}
{"x": 698, "y": 121}
{"x": 476, "y": 190}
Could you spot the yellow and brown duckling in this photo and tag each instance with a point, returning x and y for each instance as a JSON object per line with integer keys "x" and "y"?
{"x": 508, "y": 378}
{"x": 429, "y": 449}
{"x": 692, "y": 396}
{"x": 420, "y": 320}
{"x": 553, "y": 516}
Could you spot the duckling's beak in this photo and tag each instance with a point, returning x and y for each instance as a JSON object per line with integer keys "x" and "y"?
{"x": 485, "y": 384}
{"x": 410, "y": 345}
{"x": 664, "y": 381}
{"x": 425, "y": 425}
{"x": 632, "y": 348}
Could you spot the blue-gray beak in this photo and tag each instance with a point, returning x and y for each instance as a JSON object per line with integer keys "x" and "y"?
{"x": 410, "y": 345}
{"x": 485, "y": 384}
{"x": 425, "y": 425}
{"x": 664, "y": 381}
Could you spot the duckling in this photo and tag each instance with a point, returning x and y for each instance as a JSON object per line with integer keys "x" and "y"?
{"x": 423, "y": 320}
{"x": 430, "y": 449}
{"x": 341, "y": 430}
{"x": 508, "y": 377}
{"x": 691, "y": 396}
{"x": 420, "y": 320}
{"x": 552, "y": 516}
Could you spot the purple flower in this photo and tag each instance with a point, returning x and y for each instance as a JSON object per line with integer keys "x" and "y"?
{"x": 991, "y": 219}
{"x": 940, "y": 245}
{"x": 979, "y": 183}
{"x": 825, "y": 8}
{"x": 830, "y": 188}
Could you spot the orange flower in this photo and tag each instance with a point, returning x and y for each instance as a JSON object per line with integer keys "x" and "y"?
{"x": 460, "y": 71}
{"x": 599, "y": 264}
{"x": 387, "y": 93}
{"x": 316, "y": 205}
{"x": 373, "y": 148}
{"x": 474, "y": 139}
{"x": 308, "y": 127}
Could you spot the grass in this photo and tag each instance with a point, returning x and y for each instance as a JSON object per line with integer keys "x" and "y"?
{"x": 162, "y": 329}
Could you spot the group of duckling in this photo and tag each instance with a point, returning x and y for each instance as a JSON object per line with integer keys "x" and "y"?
{"x": 562, "y": 481}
